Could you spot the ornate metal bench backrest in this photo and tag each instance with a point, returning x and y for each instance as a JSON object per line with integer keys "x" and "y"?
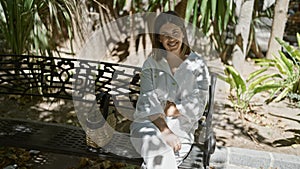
{"x": 62, "y": 77}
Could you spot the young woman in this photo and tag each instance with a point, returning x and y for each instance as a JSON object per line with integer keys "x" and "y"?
{"x": 174, "y": 92}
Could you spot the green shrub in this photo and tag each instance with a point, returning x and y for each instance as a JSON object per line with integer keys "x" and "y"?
{"x": 285, "y": 81}
{"x": 37, "y": 26}
{"x": 288, "y": 66}
{"x": 245, "y": 89}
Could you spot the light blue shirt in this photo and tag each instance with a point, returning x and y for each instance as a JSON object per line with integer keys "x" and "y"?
{"x": 187, "y": 88}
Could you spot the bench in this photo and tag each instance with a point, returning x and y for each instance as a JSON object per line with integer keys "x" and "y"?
{"x": 69, "y": 78}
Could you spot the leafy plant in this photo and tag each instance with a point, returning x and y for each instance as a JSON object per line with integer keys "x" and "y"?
{"x": 284, "y": 82}
{"x": 244, "y": 90}
{"x": 288, "y": 66}
{"x": 207, "y": 15}
{"x": 214, "y": 14}
{"x": 36, "y": 26}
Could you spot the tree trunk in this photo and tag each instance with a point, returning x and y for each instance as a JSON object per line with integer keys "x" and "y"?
{"x": 278, "y": 26}
{"x": 244, "y": 10}
{"x": 180, "y": 8}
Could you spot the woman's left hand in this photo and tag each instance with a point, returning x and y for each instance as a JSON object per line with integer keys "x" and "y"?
{"x": 171, "y": 139}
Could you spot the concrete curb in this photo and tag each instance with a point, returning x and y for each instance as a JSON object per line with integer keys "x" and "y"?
{"x": 240, "y": 158}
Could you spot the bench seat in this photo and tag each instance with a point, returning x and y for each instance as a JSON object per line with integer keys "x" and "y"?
{"x": 71, "y": 140}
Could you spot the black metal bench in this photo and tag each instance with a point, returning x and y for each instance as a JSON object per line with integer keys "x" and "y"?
{"x": 51, "y": 77}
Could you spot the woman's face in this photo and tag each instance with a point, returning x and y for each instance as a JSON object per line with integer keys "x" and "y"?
{"x": 171, "y": 36}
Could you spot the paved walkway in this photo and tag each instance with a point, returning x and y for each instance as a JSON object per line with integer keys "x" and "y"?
{"x": 223, "y": 158}
{"x": 240, "y": 158}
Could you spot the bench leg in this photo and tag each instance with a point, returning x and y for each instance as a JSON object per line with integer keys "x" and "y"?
{"x": 209, "y": 145}
{"x": 206, "y": 157}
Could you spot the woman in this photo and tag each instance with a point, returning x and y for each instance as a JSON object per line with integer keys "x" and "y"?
{"x": 173, "y": 96}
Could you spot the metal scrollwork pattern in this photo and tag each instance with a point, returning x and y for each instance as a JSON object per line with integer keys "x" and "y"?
{"x": 61, "y": 77}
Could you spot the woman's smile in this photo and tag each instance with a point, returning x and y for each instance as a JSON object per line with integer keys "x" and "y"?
{"x": 172, "y": 44}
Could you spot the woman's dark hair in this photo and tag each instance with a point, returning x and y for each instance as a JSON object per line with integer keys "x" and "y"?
{"x": 163, "y": 18}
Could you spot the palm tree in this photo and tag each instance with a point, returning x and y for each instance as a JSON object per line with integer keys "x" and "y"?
{"x": 278, "y": 27}
{"x": 36, "y": 26}
{"x": 216, "y": 18}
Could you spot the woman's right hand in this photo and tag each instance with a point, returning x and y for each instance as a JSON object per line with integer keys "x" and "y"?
{"x": 171, "y": 139}
{"x": 171, "y": 110}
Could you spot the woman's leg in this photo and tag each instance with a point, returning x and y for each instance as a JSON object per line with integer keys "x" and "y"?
{"x": 145, "y": 137}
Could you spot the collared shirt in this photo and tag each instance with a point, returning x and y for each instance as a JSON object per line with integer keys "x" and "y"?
{"x": 187, "y": 88}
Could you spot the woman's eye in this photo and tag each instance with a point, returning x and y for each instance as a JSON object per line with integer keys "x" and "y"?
{"x": 175, "y": 34}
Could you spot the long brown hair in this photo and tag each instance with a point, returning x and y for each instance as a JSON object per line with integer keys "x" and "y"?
{"x": 168, "y": 17}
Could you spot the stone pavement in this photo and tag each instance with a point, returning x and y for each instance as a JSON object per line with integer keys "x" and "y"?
{"x": 241, "y": 158}
{"x": 223, "y": 158}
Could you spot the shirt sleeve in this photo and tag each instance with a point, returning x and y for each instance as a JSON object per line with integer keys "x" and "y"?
{"x": 148, "y": 103}
{"x": 192, "y": 104}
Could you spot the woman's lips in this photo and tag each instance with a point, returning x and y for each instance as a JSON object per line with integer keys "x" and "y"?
{"x": 172, "y": 44}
